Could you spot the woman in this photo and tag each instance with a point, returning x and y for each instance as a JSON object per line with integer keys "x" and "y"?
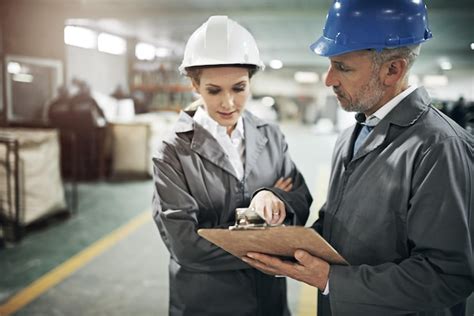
{"x": 217, "y": 158}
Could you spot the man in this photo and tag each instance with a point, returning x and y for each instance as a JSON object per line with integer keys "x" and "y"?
{"x": 399, "y": 207}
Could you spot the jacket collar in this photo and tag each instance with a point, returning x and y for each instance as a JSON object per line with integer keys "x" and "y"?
{"x": 185, "y": 122}
{"x": 409, "y": 110}
{"x": 207, "y": 146}
{"x": 405, "y": 114}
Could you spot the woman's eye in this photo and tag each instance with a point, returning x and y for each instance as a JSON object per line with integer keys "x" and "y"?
{"x": 213, "y": 91}
{"x": 239, "y": 89}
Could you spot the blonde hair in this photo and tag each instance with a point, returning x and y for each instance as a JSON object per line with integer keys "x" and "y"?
{"x": 195, "y": 72}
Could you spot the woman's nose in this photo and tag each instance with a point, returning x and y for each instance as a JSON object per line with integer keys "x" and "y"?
{"x": 228, "y": 101}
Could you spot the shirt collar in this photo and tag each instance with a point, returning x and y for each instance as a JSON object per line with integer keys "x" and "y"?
{"x": 389, "y": 106}
{"x": 202, "y": 118}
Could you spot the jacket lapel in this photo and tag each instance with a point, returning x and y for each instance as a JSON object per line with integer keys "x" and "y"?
{"x": 203, "y": 143}
{"x": 255, "y": 141}
{"x": 375, "y": 139}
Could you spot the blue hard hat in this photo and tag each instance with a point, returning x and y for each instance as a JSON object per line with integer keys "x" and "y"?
{"x": 372, "y": 24}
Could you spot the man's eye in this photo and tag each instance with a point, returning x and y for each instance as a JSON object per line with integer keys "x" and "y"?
{"x": 341, "y": 67}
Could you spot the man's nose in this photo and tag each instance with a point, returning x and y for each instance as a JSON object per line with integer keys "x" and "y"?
{"x": 330, "y": 78}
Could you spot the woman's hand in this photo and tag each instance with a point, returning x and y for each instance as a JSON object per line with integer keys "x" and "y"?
{"x": 269, "y": 207}
{"x": 284, "y": 184}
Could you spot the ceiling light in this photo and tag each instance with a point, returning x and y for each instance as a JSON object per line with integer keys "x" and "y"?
{"x": 445, "y": 64}
{"x": 276, "y": 64}
{"x": 14, "y": 67}
{"x": 472, "y": 46}
{"x": 162, "y": 52}
{"x": 268, "y": 101}
{"x": 108, "y": 43}
{"x": 26, "y": 78}
{"x": 144, "y": 51}
{"x": 80, "y": 37}
{"x": 306, "y": 77}
{"x": 435, "y": 80}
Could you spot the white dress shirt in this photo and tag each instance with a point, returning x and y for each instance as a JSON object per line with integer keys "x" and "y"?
{"x": 233, "y": 145}
{"x": 389, "y": 106}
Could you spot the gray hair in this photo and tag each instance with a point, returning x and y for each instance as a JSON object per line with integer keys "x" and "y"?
{"x": 409, "y": 53}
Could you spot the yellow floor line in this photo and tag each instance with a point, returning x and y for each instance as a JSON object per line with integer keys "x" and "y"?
{"x": 67, "y": 268}
{"x": 320, "y": 192}
{"x": 307, "y": 305}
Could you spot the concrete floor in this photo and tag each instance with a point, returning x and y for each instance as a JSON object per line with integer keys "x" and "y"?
{"x": 130, "y": 278}
{"x": 108, "y": 258}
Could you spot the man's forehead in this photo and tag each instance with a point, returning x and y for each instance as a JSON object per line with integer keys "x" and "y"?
{"x": 357, "y": 56}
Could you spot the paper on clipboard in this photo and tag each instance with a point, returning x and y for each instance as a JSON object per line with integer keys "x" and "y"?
{"x": 279, "y": 241}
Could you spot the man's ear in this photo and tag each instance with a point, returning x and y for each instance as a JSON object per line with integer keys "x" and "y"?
{"x": 393, "y": 71}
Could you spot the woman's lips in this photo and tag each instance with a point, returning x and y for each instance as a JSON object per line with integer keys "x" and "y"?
{"x": 226, "y": 114}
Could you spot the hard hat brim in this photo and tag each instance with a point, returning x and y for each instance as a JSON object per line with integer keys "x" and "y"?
{"x": 183, "y": 68}
{"x": 327, "y": 47}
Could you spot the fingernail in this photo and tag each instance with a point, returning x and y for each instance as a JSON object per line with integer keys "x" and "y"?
{"x": 250, "y": 255}
{"x": 245, "y": 259}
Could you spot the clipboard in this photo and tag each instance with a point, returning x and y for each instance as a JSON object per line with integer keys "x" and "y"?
{"x": 281, "y": 241}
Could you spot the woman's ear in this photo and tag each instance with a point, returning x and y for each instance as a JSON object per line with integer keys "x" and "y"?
{"x": 394, "y": 71}
{"x": 195, "y": 85}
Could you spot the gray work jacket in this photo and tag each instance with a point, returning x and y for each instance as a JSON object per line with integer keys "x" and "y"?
{"x": 196, "y": 187}
{"x": 400, "y": 212}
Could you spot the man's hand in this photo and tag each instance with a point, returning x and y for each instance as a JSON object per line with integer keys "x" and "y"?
{"x": 311, "y": 270}
{"x": 284, "y": 184}
{"x": 269, "y": 207}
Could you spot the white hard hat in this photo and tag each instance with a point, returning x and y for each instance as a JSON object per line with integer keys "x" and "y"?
{"x": 221, "y": 41}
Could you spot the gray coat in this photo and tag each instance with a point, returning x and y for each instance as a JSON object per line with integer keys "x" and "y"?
{"x": 400, "y": 212}
{"x": 196, "y": 187}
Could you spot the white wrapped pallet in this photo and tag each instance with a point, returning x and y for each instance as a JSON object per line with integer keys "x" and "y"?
{"x": 130, "y": 148}
{"x": 41, "y": 189}
{"x": 134, "y": 142}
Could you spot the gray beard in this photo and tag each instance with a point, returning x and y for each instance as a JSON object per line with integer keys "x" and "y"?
{"x": 368, "y": 96}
